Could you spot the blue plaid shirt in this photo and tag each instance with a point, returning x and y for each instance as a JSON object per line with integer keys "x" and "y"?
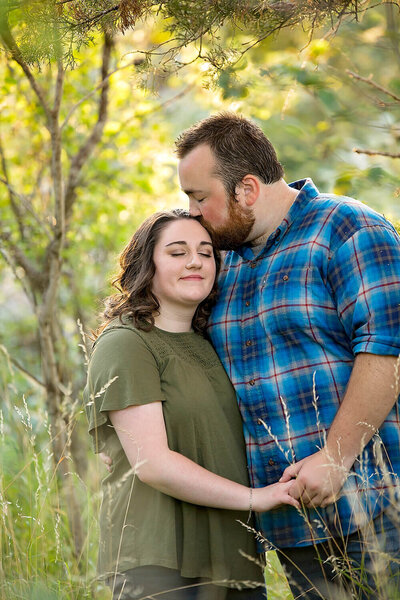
{"x": 287, "y": 326}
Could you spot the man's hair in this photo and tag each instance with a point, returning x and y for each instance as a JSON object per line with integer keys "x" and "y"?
{"x": 134, "y": 298}
{"x": 239, "y": 146}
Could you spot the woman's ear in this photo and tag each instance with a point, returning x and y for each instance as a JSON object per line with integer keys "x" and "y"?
{"x": 248, "y": 190}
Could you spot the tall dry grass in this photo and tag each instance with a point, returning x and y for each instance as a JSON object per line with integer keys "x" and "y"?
{"x": 37, "y": 559}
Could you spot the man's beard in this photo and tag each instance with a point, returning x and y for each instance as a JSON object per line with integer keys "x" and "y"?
{"x": 236, "y": 230}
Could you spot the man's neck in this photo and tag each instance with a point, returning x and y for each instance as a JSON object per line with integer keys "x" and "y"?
{"x": 272, "y": 206}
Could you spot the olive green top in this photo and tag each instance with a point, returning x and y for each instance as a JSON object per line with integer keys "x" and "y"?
{"x": 139, "y": 525}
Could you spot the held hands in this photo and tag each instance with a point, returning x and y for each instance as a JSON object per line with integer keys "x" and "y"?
{"x": 263, "y": 499}
{"x": 318, "y": 479}
{"x": 273, "y": 495}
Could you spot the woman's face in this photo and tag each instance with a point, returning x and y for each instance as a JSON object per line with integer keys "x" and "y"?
{"x": 185, "y": 265}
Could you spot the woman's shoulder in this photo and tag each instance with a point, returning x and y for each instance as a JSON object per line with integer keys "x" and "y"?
{"x": 121, "y": 335}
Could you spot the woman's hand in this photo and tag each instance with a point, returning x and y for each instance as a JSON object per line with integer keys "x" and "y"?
{"x": 141, "y": 430}
{"x": 272, "y": 496}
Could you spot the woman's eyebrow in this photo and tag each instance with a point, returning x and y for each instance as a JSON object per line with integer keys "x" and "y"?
{"x": 183, "y": 243}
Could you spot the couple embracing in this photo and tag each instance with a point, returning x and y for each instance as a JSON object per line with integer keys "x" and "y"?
{"x": 271, "y": 395}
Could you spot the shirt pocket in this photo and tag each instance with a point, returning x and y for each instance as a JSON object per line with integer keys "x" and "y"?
{"x": 295, "y": 299}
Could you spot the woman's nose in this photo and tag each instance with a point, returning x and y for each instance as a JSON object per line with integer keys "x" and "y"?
{"x": 194, "y": 261}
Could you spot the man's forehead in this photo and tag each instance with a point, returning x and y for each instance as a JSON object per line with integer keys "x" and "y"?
{"x": 193, "y": 168}
{"x": 201, "y": 154}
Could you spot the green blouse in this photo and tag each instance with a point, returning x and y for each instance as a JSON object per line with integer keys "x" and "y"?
{"x": 138, "y": 524}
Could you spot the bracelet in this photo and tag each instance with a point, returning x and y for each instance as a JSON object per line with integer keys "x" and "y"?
{"x": 250, "y": 507}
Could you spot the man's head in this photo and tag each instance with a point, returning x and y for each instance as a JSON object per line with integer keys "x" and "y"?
{"x": 223, "y": 161}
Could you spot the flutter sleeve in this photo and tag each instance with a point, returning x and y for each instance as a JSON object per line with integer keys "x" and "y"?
{"x": 122, "y": 372}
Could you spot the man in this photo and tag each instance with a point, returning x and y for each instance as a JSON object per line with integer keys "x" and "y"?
{"x": 307, "y": 325}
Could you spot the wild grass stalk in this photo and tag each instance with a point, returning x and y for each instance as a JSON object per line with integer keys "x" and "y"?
{"x": 378, "y": 587}
{"x": 37, "y": 559}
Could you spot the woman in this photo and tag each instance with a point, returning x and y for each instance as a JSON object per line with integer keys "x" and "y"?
{"x": 162, "y": 407}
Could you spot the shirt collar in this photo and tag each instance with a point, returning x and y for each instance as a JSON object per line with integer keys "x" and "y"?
{"x": 307, "y": 191}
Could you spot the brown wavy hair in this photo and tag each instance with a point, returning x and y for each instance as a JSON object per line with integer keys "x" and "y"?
{"x": 133, "y": 281}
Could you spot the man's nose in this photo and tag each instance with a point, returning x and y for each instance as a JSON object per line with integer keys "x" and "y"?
{"x": 194, "y": 208}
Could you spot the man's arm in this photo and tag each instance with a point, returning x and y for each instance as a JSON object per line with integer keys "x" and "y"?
{"x": 371, "y": 393}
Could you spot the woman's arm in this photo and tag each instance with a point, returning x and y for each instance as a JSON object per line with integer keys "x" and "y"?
{"x": 142, "y": 433}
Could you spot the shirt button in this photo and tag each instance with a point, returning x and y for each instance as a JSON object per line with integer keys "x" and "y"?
{"x": 271, "y": 462}
{"x": 253, "y": 265}
{"x": 249, "y": 343}
{"x": 252, "y": 382}
{"x": 285, "y": 277}
{"x": 247, "y": 303}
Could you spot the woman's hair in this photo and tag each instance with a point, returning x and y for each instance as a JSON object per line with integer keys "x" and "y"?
{"x": 134, "y": 279}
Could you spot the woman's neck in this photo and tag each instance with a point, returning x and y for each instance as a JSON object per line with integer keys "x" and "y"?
{"x": 173, "y": 321}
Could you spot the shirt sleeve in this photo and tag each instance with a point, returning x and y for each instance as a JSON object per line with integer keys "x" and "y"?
{"x": 364, "y": 274}
{"x": 122, "y": 372}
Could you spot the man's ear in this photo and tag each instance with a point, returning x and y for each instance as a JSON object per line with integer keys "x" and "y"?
{"x": 248, "y": 190}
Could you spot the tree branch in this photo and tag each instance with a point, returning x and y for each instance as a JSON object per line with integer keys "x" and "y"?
{"x": 373, "y": 84}
{"x": 96, "y": 18}
{"x": 27, "y": 374}
{"x": 393, "y": 31}
{"x": 15, "y": 363}
{"x": 56, "y": 171}
{"x": 34, "y": 276}
{"x": 27, "y": 205}
{"x": 88, "y": 146}
{"x": 153, "y": 110}
{"x": 100, "y": 85}
{"x": 11, "y": 195}
{"x": 12, "y": 47}
{"x": 28, "y": 293}
{"x": 376, "y": 153}
{"x": 59, "y": 87}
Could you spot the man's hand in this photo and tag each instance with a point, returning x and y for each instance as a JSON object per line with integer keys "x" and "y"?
{"x": 318, "y": 479}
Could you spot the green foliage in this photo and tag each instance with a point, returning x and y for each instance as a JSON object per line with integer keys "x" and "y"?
{"x": 129, "y": 174}
{"x": 36, "y": 558}
{"x": 47, "y": 30}
{"x": 315, "y": 112}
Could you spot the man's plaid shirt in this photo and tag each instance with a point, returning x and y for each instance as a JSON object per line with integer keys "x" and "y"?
{"x": 287, "y": 326}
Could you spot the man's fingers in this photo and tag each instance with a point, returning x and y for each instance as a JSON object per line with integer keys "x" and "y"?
{"x": 329, "y": 500}
{"x": 286, "y": 476}
{"x": 291, "y": 471}
{"x": 310, "y": 501}
{"x": 296, "y": 490}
